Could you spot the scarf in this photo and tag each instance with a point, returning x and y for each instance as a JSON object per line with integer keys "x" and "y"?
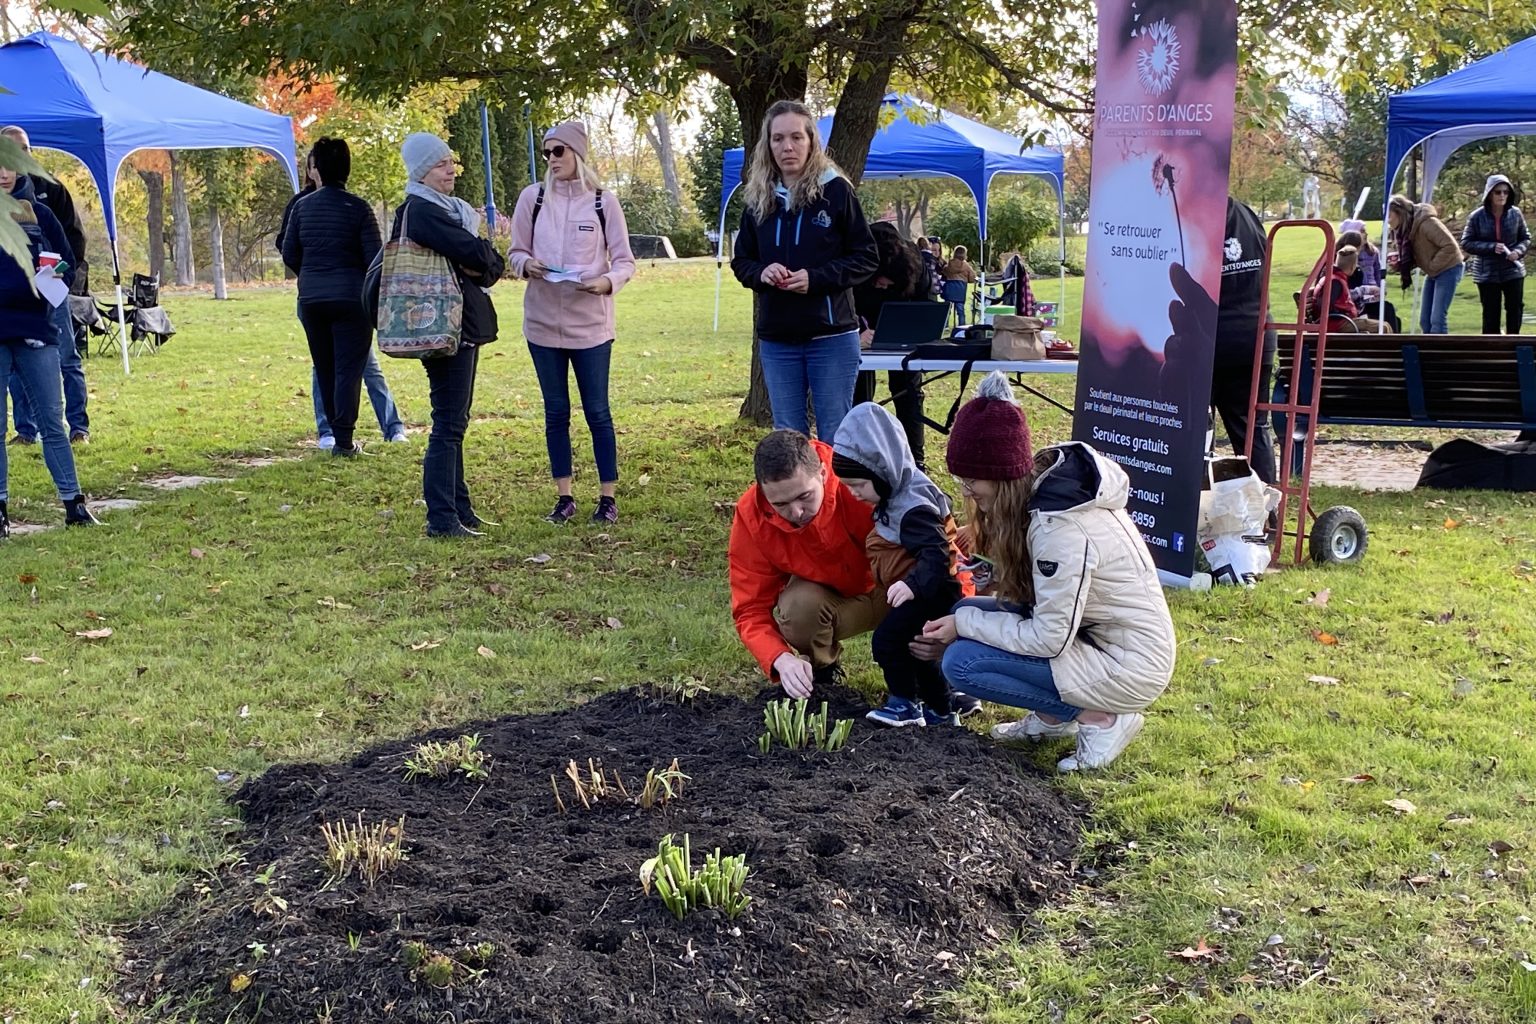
{"x": 467, "y": 216}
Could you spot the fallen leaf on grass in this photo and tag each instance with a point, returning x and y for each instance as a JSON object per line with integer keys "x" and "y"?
{"x": 1499, "y": 847}
{"x": 1450, "y": 524}
{"x": 239, "y": 983}
{"x": 244, "y": 712}
{"x": 538, "y": 559}
{"x": 1199, "y": 951}
{"x": 643, "y": 479}
{"x": 1307, "y": 786}
{"x": 1320, "y": 599}
{"x": 26, "y": 578}
{"x": 1326, "y": 639}
{"x": 1402, "y": 806}
{"x": 33, "y": 659}
{"x": 1359, "y": 778}
{"x": 1418, "y": 881}
{"x": 612, "y": 622}
{"x": 1234, "y": 640}
{"x": 196, "y": 552}
{"x": 427, "y": 645}
{"x": 1211, "y": 661}
{"x": 485, "y": 652}
{"x": 1445, "y": 617}
{"x": 1324, "y": 680}
{"x": 331, "y": 602}
{"x": 94, "y": 634}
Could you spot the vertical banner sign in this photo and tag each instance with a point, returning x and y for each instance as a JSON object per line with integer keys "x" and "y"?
{"x": 1162, "y": 143}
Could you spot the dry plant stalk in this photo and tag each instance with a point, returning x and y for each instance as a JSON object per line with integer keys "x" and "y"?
{"x": 662, "y": 786}
{"x": 595, "y": 784}
{"x": 371, "y": 851}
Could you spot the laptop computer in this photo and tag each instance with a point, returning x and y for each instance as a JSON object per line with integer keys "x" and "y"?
{"x": 904, "y": 326}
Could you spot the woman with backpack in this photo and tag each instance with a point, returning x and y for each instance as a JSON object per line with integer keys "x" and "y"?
{"x": 570, "y": 240}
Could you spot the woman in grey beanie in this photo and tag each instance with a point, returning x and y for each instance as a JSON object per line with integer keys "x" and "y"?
{"x": 451, "y": 227}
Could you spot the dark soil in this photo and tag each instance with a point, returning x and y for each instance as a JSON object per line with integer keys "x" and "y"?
{"x": 877, "y": 874}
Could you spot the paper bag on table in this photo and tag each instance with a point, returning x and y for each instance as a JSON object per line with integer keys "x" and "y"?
{"x": 1017, "y": 338}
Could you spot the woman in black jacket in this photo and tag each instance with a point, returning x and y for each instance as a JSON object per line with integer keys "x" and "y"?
{"x": 450, "y": 227}
{"x": 803, "y": 246}
{"x": 330, "y": 240}
{"x": 1496, "y": 238}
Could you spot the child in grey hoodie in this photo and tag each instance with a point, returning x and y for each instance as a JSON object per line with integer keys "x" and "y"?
{"x": 912, "y": 555}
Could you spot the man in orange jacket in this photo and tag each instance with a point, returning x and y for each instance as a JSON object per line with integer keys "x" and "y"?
{"x": 800, "y": 578}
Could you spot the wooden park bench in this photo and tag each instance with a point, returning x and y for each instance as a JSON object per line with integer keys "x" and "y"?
{"x": 1441, "y": 381}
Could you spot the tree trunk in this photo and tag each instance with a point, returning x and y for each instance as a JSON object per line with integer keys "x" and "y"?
{"x": 216, "y": 239}
{"x": 186, "y": 270}
{"x": 858, "y": 115}
{"x": 661, "y": 142}
{"x": 154, "y": 186}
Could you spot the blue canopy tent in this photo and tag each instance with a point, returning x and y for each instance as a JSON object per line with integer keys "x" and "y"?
{"x": 100, "y": 109}
{"x": 933, "y": 144}
{"x": 1493, "y": 97}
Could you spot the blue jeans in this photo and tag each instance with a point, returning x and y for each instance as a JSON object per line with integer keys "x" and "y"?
{"x": 74, "y": 383}
{"x": 553, "y": 366}
{"x": 37, "y": 370}
{"x": 1438, "y": 293}
{"x": 379, "y": 394}
{"x": 452, "y": 386}
{"x": 1003, "y": 677}
{"x": 827, "y": 367}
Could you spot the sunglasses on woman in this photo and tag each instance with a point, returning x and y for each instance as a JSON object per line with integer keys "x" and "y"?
{"x": 1501, "y": 191}
{"x": 554, "y": 152}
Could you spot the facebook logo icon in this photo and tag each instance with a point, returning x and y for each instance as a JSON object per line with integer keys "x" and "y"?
{"x": 1178, "y": 542}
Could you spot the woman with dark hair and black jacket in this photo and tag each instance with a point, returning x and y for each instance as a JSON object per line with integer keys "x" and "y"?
{"x": 900, "y": 277}
{"x": 451, "y": 227}
{"x": 1496, "y": 238}
{"x": 331, "y": 239}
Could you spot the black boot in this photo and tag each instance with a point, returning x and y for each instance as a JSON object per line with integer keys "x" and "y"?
{"x": 458, "y": 531}
{"x": 76, "y": 514}
{"x": 5, "y": 521}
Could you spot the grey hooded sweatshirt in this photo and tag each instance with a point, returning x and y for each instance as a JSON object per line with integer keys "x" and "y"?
{"x": 915, "y": 514}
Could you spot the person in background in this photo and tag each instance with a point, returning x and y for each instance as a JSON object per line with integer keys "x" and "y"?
{"x": 1496, "y": 237}
{"x": 451, "y": 228}
{"x": 1237, "y": 337}
{"x": 55, "y": 196}
{"x": 379, "y": 396}
{"x": 1366, "y": 284}
{"x": 330, "y": 241}
{"x": 1078, "y": 630}
{"x": 568, "y": 225}
{"x": 29, "y": 347}
{"x": 932, "y": 278}
{"x": 899, "y": 277}
{"x": 959, "y": 275}
{"x": 1421, "y": 240}
{"x": 802, "y": 247}
{"x": 913, "y": 558}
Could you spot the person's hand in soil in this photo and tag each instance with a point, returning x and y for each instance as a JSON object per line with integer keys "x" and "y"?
{"x": 794, "y": 674}
{"x": 898, "y": 594}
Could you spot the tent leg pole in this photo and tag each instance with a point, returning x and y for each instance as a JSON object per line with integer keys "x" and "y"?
{"x": 122, "y": 328}
{"x": 719, "y": 273}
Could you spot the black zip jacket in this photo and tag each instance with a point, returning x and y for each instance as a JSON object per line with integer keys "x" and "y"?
{"x": 435, "y": 228}
{"x": 329, "y": 240}
{"x": 831, "y": 240}
{"x": 56, "y": 197}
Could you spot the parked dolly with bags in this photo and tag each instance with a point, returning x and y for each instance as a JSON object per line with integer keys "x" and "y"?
{"x": 433, "y": 284}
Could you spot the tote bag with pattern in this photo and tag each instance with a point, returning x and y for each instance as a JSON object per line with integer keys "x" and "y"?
{"x": 421, "y": 306}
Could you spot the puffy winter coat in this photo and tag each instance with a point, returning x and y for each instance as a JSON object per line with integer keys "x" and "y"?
{"x": 1434, "y": 247}
{"x": 831, "y": 240}
{"x": 329, "y": 239}
{"x": 23, "y": 313}
{"x": 568, "y": 235}
{"x": 1482, "y": 234}
{"x": 1099, "y": 612}
{"x": 766, "y": 551}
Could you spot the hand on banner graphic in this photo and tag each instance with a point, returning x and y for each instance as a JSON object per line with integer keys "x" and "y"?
{"x": 1188, "y": 317}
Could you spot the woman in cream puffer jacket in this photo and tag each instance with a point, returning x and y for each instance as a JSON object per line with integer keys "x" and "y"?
{"x": 1080, "y": 632}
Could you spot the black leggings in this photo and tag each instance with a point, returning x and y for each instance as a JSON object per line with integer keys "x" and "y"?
{"x": 1511, "y": 295}
{"x": 906, "y": 676}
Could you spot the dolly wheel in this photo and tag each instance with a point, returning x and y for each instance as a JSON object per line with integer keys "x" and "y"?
{"x": 1339, "y": 537}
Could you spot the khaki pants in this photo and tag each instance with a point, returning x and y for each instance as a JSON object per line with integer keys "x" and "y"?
{"x": 816, "y": 619}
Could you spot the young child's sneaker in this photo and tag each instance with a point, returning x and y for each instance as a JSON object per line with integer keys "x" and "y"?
{"x": 933, "y": 718}
{"x": 1032, "y": 727}
{"x": 899, "y": 713}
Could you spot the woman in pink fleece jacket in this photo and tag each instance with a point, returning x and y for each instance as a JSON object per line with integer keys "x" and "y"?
{"x": 570, "y": 241}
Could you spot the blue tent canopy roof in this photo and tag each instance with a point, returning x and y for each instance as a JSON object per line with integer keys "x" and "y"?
{"x": 100, "y": 109}
{"x": 1493, "y": 97}
{"x": 936, "y": 144}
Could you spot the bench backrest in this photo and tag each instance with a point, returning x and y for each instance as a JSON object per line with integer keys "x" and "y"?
{"x": 1481, "y": 381}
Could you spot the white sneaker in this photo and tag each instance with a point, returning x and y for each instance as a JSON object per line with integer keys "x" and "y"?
{"x": 399, "y": 437}
{"x": 326, "y": 443}
{"x": 1032, "y": 727}
{"x": 1098, "y": 745}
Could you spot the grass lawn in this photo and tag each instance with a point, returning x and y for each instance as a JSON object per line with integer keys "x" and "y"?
{"x": 296, "y": 612}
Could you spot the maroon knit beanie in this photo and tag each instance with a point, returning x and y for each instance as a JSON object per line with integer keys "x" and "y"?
{"x": 990, "y": 438}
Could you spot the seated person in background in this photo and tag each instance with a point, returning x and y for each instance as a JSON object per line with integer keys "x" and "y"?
{"x": 800, "y": 582}
{"x": 1341, "y": 308}
{"x": 912, "y": 555}
{"x": 1365, "y": 284}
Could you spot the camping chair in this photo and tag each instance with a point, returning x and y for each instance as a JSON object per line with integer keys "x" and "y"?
{"x": 84, "y": 316}
{"x": 149, "y": 325}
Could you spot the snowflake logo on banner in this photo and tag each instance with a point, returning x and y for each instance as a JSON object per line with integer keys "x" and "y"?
{"x": 1157, "y": 61}
{"x": 1232, "y": 250}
